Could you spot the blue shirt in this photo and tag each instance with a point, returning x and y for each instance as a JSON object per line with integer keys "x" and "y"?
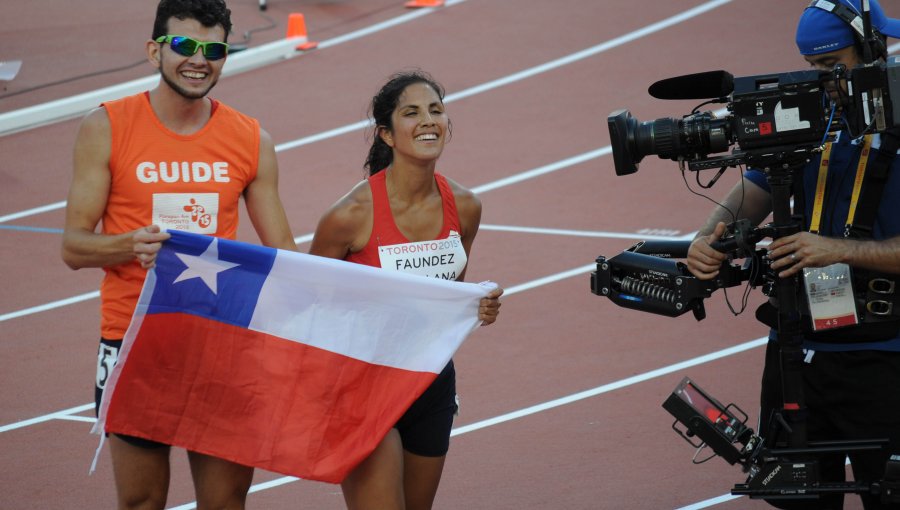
{"x": 844, "y": 157}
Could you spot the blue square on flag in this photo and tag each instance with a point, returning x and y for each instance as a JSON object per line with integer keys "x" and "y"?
{"x": 210, "y": 277}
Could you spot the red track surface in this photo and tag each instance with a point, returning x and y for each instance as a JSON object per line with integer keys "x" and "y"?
{"x": 612, "y": 450}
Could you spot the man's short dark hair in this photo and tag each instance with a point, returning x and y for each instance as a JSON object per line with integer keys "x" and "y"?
{"x": 208, "y": 12}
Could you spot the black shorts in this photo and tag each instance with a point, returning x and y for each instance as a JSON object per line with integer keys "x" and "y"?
{"x": 425, "y": 428}
{"x": 107, "y": 355}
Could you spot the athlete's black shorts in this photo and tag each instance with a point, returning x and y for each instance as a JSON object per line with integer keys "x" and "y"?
{"x": 107, "y": 355}
{"x": 425, "y": 428}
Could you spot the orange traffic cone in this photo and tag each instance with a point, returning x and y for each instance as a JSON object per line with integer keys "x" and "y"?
{"x": 415, "y": 4}
{"x": 297, "y": 28}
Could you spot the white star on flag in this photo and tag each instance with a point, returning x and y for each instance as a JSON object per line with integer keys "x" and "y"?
{"x": 206, "y": 267}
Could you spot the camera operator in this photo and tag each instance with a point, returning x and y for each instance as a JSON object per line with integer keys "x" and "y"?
{"x": 850, "y": 373}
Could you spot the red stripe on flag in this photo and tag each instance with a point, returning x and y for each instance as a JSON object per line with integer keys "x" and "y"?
{"x": 256, "y": 399}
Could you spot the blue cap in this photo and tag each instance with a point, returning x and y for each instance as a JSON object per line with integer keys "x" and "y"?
{"x": 821, "y": 31}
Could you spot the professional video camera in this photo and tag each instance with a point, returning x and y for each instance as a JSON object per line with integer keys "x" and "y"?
{"x": 770, "y": 116}
{"x": 775, "y": 123}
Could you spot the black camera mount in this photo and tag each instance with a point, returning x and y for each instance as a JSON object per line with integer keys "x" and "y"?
{"x": 783, "y": 464}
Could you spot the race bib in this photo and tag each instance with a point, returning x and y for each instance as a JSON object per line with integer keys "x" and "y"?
{"x": 441, "y": 258}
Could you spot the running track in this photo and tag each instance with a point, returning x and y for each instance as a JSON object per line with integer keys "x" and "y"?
{"x": 561, "y": 398}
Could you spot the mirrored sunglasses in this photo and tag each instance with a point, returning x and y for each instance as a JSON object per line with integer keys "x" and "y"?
{"x": 186, "y": 46}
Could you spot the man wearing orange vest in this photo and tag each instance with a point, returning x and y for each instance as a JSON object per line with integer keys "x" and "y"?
{"x": 169, "y": 158}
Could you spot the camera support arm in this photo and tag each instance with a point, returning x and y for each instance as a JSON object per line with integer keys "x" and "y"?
{"x": 778, "y": 122}
{"x": 788, "y": 330}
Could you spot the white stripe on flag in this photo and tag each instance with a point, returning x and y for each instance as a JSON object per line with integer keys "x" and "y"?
{"x": 338, "y": 304}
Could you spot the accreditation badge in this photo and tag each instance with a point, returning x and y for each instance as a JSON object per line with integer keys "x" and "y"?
{"x": 829, "y": 292}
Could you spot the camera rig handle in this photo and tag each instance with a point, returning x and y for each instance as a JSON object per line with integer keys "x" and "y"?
{"x": 647, "y": 277}
{"x": 740, "y": 239}
{"x": 658, "y": 284}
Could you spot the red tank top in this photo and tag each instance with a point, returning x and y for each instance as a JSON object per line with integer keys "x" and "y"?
{"x": 181, "y": 182}
{"x": 444, "y": 257}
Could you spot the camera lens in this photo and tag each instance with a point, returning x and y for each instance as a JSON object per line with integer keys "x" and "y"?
{"x": 658, "y": 136}
{"x": 698, "y": 134}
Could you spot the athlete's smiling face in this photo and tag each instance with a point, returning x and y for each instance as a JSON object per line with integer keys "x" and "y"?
{"x": 420, "y": 125}
{"x": 191, "y": 77}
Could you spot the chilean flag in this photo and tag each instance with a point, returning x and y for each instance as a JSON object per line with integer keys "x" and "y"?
{"x": 280, "y": 360}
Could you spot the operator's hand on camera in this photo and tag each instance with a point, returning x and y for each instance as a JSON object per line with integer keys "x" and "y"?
{"x": 792, "y": 253}
{"x": 704, "y": 261}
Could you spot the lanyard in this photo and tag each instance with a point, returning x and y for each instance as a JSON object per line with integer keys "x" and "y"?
{"x": 823, "y": 175}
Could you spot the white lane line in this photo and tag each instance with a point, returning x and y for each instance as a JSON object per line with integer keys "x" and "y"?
{"x": 551, "y": 404}
{"x": 510, "y": 291}
{"x": 546, "y": 280}
{"x": 593, "y": 50}
{"x": 478, "y": 89}
{"x": 599, "y": 390}
{"x": 506, "y": 181}
{"x": 418, "y": 13}
{"x": 583, "y": 233}
{"x": 322, "y": 136}
{"x": 507, "y": 292}
{"x": 62, "y": 109}
{"x": 520, "y": 177}
{"x": 308, "y": 237}
{"x": 30, "y": 212}
{"x": 50, "y": 306}
{"x": 499, "y": 183}
{"x": 450, "y": 97}
{"x": 73, "y": 417}
{"x": 47, "y": 417}
{"x": 606, "y": 388}
{"x": 527, "y": 73}
{"x": 67, "y": 414}
{"x": 552, "y": 167}
{"x": 718, "y": 500}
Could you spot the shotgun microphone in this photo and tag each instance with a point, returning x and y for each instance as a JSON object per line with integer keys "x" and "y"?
{"x": 708, "y": 85}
